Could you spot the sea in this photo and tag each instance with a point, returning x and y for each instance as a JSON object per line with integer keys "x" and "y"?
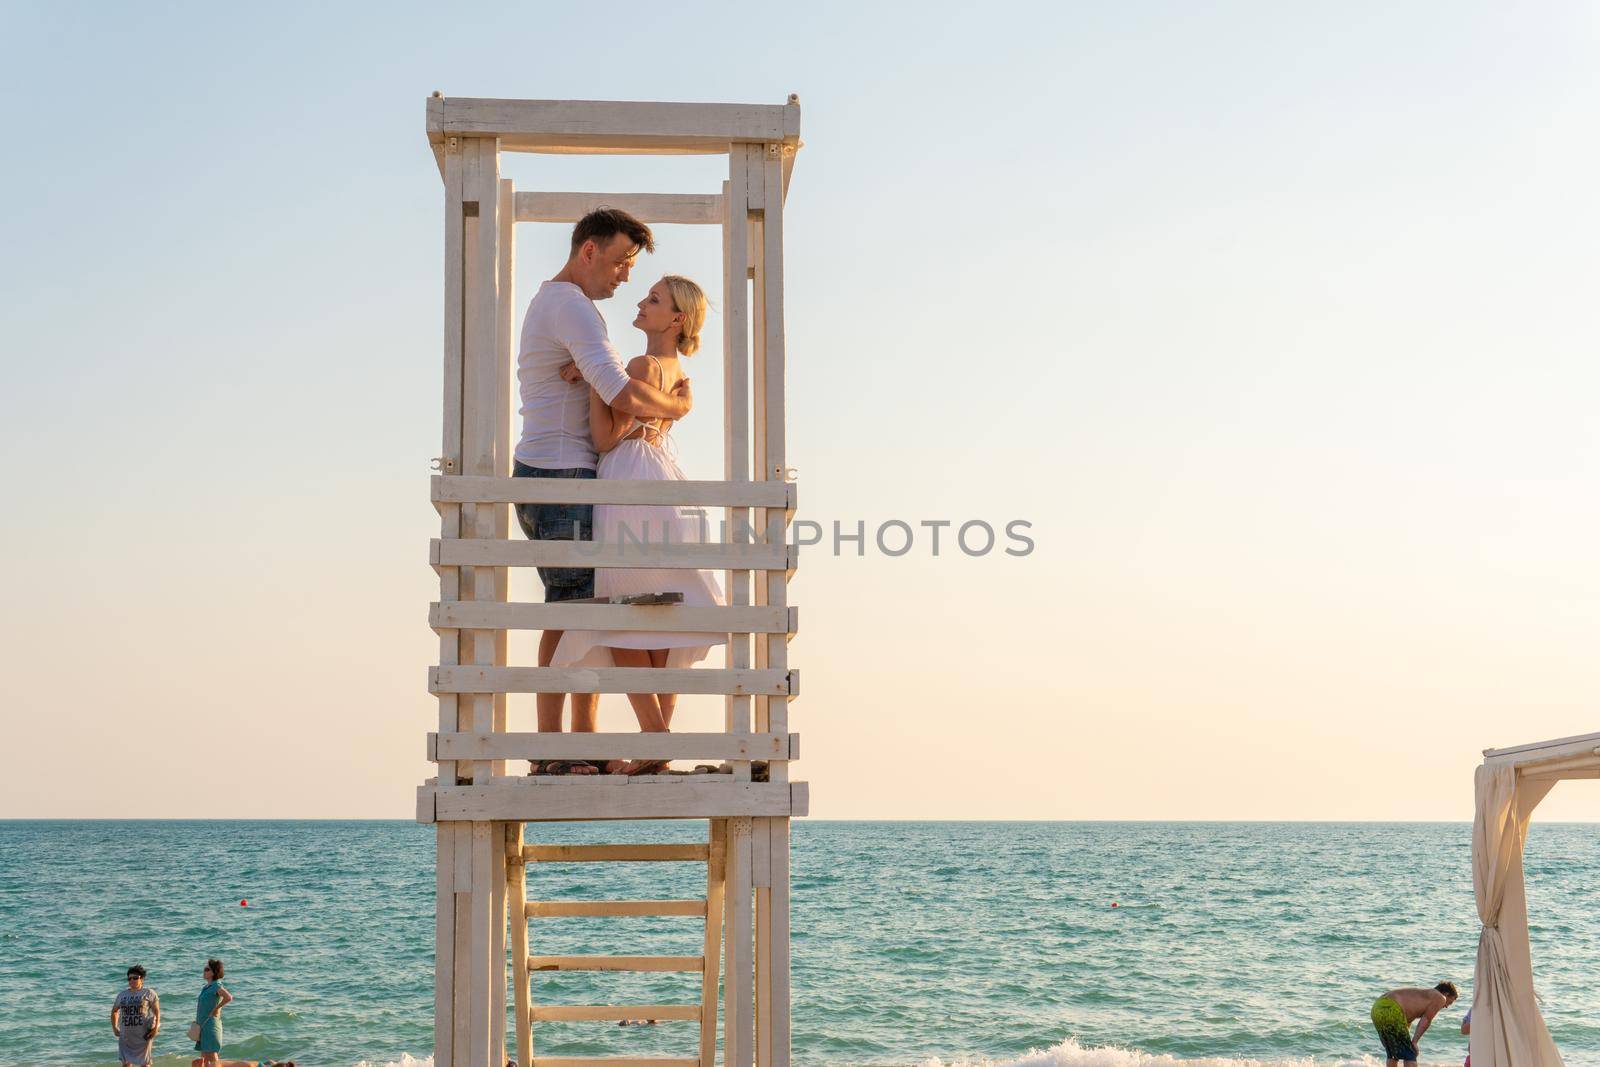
{"x": 915, "y": 944}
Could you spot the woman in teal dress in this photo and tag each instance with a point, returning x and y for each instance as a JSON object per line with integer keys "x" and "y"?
{"x": 208, "y": 1014}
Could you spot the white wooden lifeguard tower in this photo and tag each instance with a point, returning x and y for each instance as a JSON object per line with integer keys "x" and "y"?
{"x": 478, "y": 807}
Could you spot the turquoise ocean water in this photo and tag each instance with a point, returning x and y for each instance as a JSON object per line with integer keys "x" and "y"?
{"x": 913, "y": 942}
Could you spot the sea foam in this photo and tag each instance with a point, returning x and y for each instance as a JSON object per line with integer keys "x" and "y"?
{"x": 1067, "y": 1054}
{"x": 1071, "y": 1054}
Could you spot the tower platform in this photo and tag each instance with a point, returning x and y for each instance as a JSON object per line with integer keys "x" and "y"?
{"x": 552, "y": 798}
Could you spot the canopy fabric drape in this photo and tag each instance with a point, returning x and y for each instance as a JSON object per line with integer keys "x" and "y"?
{"x": 1507, "y": 1029}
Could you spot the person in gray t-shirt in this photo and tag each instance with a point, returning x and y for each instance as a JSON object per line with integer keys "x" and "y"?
{"x": 135, "y": 1018}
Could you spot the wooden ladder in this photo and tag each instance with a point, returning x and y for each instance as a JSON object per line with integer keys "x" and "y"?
{"x": 714, "y": 854}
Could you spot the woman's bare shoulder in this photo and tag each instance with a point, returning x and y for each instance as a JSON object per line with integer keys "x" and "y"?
{"x": 645, "y": 368}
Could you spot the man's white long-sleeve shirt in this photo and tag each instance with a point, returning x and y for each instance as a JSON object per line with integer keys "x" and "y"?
{"x": 563, "y": 324}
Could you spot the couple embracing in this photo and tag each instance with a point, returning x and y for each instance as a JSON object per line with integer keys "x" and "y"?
{"x": 587, "y": 413}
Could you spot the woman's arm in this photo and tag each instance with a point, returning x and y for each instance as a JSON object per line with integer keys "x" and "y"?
{"x": 224, "y": 998}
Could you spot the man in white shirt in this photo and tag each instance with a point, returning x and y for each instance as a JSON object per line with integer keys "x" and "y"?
{"x": 562, "y": 326}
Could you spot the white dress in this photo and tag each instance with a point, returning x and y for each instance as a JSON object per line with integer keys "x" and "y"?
{"x": 645, "y": 458}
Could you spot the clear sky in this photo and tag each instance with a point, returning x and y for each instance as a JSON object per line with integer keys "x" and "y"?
{"x": 1277, "y": 322}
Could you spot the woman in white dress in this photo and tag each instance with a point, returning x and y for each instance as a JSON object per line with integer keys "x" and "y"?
{"x": 670, "y": 316}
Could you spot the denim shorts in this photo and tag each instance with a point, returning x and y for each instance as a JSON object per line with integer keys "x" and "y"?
{"x": 558, "y": 522}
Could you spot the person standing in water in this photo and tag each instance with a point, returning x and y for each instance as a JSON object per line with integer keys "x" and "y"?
{"x": 135, "y": 1019}
{"x": 1395, "y": 1011}
{"x": 208, "y": 1014}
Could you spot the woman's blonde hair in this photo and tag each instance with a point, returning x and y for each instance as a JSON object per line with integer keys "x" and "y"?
{"x": 688, "y": 300}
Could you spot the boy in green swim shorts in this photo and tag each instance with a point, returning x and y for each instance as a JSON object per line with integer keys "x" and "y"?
{"x": 1395, "y": 1011}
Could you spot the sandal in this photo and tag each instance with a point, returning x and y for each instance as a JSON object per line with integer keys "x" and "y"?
{"x": 557, "y": 766}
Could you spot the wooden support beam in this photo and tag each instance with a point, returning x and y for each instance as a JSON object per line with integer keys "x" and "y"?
{"x": 691, "y": 209}
{"x": 516, "y": 879}
{"x": 506, "y": 340}
{"x": 676, "y": 798}
{"x": 716, "y": 876}
{"x": 469, "y": 489}
{"x": 738, "y": 1040}
{"x": 551, "y": 909}
{"x": 450, "y": 1024}
{"x": 459, "y": 552}
{"x": 736, "y": 420}
{"x": 615, "y": 854}
{"x": 779, "y": 990}
{"x": 685, "y": 746}
{"x": 473, "y": 679}
{"x": 670, "y": 618}
{"x": 501, "y": 889}
{"x": 612, "y": 126}
{"x": 615, "y": 963}
{"x": 480, "y": 978}
{"x": 771, "y": 858}
{"x": 476, "y": 985}
{"x": 444, "y": 943}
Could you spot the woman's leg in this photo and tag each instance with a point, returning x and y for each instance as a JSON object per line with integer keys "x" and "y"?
{"x": 667, "y": 701}
{"x": 645, "y": 705}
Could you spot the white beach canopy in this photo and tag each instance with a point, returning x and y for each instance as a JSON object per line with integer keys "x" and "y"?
{"x": 1507, "y": 1029}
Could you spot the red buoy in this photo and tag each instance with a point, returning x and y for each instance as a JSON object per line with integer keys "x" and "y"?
{"x": 244, "y": 903}
{"x": 1114, "y": 904}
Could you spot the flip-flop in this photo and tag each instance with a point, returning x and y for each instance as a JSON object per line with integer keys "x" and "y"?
{"x": 655, "y": 766}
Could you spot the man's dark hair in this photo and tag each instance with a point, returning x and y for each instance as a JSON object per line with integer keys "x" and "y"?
{"x": 216, "y": 969}
{"x": 602, "y": 225}
{"x": 1448, "y": 989}
{"x": 136, "y": 971}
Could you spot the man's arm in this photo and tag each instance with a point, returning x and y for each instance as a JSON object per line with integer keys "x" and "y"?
{"x": 606, "y": 427}
{"x": 1423, "y": 1024}
{"x": 583, "y": 334}
{"x": 640, "y": 398}
{"x": 115, "y": 1029}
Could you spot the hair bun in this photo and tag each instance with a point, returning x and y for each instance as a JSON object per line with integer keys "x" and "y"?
{"x": 689, "y": 300}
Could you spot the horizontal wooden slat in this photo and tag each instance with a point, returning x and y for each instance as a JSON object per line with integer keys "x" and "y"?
{"x": 473, "y": 489}
{"x": 708, "y": 796}
{"x": 575, "y": 1013}
{"x": 487, "y": 552}
{"x": 473, "y": 679}
{"x": 686, "y": 746}
{"x": 559, "y": 909}
{"x": 613, "y": 1061}
{"x": 672, "y": 208}
{"x": 670, "y": 618}
{"x": 615, "y": 963}
{"x": 1559, "y": 748}
{"x": 612, "y": 125}
{"x": 615, "y": 853}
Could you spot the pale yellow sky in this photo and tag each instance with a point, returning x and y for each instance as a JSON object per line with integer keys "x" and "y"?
{"x": 1282, "y": 336}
